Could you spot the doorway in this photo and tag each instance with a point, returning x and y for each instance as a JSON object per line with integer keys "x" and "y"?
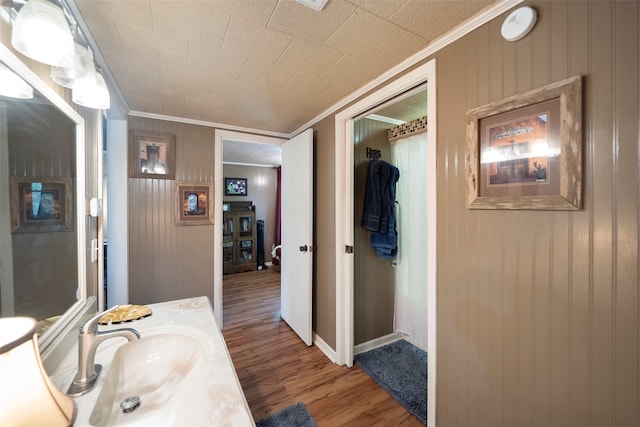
{"x": 297, "y": 179}
{"x": 242, "y": 141}
{"x": 344, "y": 128}
{"x": 390, "y": 284}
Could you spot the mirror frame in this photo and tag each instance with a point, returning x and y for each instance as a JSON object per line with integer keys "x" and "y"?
{"x": 75, "y": 311}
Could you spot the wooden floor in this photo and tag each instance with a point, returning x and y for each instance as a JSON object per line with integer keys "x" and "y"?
{"x": 276, "y": 369}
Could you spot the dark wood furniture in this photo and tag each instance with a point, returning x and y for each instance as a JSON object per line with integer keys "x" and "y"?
{"x": 239, "y": 240}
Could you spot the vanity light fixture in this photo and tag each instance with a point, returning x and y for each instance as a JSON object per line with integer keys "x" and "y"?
{"x": 82, "y": 65}
{"x": 92, "y": 91}
{"x": 42, "y": 32}
{"x": 12, "y": 85}
{"x": 28, "y": 396}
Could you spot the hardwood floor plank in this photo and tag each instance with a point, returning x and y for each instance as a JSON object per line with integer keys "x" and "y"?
{"x": 276, "y": 369}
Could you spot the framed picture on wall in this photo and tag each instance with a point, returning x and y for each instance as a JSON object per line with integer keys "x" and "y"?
{"x": 235, "y": 187}
{"x": 194, "y": 203}
{"x": 40, "y": 204}
{"x": 152, "y": 155}
{"x": 525, "y": 152}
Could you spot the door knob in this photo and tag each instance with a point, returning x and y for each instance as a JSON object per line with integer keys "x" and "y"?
{"x": 303, "y": 248}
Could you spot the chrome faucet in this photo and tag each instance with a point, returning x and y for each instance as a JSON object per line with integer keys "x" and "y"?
{"x": 88, "y": 341}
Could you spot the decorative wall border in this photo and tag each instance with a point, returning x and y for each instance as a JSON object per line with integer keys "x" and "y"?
{"x": 413, "y": 127}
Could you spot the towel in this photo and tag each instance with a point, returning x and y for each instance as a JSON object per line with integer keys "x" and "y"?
{"x": 378, "y": 213}
{"x": 386, "y": 244}
{"x": 372, "y": 217}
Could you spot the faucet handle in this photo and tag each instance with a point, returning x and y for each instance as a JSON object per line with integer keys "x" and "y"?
{"x": 90, "y": 326}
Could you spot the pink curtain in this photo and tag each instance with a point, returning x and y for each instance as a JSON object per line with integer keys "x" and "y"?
{"x": 278, "y": 207}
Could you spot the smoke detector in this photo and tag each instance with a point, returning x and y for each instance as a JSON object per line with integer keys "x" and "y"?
{"x": 518, "y": 24}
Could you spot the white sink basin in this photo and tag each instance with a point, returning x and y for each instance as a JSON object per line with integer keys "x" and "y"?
{"x": 163, "y": 368}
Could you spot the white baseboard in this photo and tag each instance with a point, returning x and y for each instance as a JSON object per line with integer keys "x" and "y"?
{"x": 324, "y": 347}
{"x": 377, "y": 342}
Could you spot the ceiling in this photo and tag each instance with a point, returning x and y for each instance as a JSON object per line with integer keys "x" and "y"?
{"x": 251, "y": 154}
{"x": 403, "y": 109}
{"x": 267, "y": 65}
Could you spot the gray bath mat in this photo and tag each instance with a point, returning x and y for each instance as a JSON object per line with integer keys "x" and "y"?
{"x": 291, "y": 416}
{"x": 401, "y": 369}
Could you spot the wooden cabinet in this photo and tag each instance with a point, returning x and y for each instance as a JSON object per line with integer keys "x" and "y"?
{"x": 239, "y": 241}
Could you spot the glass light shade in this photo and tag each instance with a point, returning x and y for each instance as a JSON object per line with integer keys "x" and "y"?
{"x": 28, "y": 396}
{"x": 12, "y": 85}
{"x": 82, "y": 65}
{"x": 92, "y": 92}
{"x": 42, "y": 32}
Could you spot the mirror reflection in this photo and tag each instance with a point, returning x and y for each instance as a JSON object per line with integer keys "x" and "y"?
{"x": 39, "y": 242}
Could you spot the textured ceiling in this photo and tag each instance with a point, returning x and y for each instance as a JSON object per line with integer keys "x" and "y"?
{"x": 246, "y": 153}
{"x": 271, "y": 65}
{"x": 401, "y": 109}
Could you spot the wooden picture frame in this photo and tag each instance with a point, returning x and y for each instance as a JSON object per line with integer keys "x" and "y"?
{"x": 152, "y": 155}
{"x": 41, "y": 204}
{"x": 525, "y": 151}
{"x": 194, "y": 203}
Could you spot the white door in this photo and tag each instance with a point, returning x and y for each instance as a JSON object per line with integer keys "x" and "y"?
{"x": 297, "y": 233}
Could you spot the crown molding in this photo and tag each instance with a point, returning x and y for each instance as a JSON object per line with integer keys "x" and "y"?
{"x": 207, "y": 124}
{"x": 253, "y": 165}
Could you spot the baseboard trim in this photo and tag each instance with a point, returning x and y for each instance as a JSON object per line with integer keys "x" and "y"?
{"x": 324, "y": 347}
{"x": 377, "y": 342}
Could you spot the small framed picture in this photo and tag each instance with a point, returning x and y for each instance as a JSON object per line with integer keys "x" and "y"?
{"x": 525, "y": 152}
{"x": 235, "y": 187}
{"x": 152, "y": 155}
{"x": 194, "y": 203}
{"x": 41, "y": 204}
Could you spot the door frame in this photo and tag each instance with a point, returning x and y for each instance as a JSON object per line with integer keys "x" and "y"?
{"x": 344, "y": 219}
{"x": 221, "y": 135}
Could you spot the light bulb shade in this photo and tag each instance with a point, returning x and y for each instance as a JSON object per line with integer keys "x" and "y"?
{"x": 82, "y": 65}
{"x": 42, "y": 32}
{"x": 92, "y": 92}
{"x": 12, "y": 85}
{"x": 27, "y": 394}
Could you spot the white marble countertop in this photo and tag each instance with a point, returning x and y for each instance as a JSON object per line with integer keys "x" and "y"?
{"x": 219, "y": 400}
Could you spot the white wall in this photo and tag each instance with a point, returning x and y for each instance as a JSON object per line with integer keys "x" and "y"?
{"x": 115, "y": 215}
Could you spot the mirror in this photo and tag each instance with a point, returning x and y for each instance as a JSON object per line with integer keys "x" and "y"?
{"x": 42, "y": 206}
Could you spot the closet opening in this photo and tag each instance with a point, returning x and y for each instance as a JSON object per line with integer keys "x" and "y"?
{"x": 346, "y": 142}
{"x": 390, "y": 286}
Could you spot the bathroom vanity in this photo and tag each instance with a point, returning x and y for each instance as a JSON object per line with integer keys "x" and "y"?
{"x": 180, "y": 372}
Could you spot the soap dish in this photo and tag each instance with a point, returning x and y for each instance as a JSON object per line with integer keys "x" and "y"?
{"x": 125, "y": 313}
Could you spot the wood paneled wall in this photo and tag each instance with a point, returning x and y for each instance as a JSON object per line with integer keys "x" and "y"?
{"x": 538, "y": 312}
{"x": 168, "y": 262}
{"x": 374, "y": 278}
